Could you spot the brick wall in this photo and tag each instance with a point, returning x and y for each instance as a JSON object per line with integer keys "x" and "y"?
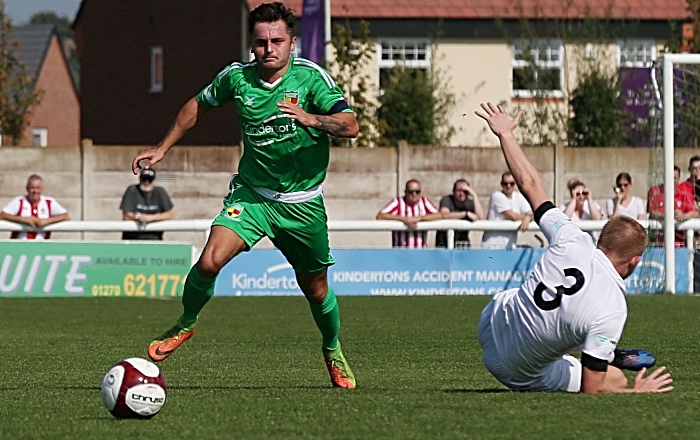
{"x": 59, "y": 111}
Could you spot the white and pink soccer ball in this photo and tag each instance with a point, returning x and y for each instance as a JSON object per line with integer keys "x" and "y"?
{"x": 134, "y": 388}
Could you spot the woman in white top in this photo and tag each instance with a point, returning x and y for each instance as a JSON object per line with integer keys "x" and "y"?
{"x": 625, "y": 203}
{"x": 581, "y": 206}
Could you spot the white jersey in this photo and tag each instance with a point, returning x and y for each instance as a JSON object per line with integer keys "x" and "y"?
{"x": 573, "y": 299}
{"x": 499, "y": 203}
{"x": 634, "y": 210}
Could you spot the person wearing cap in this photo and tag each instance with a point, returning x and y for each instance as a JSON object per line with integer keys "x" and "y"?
{"x": 146, "y": 203}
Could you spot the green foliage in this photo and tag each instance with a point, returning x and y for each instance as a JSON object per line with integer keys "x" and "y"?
{"x": 548, "y": 115}
{"x": 416, "y": 106}
{"x": 354, "y": 51}
{"x": 66, "y": 35}
{"x": 17, "y": 94}
{"x": 597, "y": 116}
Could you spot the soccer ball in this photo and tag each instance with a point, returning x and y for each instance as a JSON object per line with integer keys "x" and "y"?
{"x": 134, "y": 388}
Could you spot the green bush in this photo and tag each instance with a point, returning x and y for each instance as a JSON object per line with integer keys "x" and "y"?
{"x": 598, "y": 119}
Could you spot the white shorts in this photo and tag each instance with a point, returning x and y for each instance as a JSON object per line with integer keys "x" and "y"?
{"x": 564, "y": 374}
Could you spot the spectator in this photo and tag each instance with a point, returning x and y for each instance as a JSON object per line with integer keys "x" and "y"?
{"x": 683, "y": 210}
{"x": 146, "y": 203}
{"x": 581, "y": 206}
{"x": 691, "y": 187}
{"x": 506, "y": 204}
{"x": 34, "y": 210}
{"x": 410, "y": 209}
{"x": 625, "y": 203}
{"x": 462, "y": 204}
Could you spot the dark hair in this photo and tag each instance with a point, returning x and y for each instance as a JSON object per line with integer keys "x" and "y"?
{"x": 411, "y": 181}
{"x": 625, "y": 176}
{"x": 269, "y": 13}
{"x": 454, "y": 186}
{"x": 506, "y": 173}
{"x": 677, "y": 168}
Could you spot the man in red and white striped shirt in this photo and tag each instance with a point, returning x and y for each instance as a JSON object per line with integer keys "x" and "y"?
{"x": 34, "y": 210}
{"x": 410, "y": 209}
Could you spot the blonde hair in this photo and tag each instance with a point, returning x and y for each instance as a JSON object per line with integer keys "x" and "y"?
{"x": 573, "y": 183}
{"x": 624, "y": 237}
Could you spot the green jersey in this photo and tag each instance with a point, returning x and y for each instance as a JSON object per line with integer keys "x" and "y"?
{"x": 279, "y": 154}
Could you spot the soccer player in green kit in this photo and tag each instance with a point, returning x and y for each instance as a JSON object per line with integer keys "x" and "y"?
{"x": 286, "y": 109}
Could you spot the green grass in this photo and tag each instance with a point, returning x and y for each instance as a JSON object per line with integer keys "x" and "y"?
{"x": 255, "y": 370}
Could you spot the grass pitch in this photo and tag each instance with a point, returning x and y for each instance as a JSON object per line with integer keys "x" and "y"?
{"x": 255, "y": 370}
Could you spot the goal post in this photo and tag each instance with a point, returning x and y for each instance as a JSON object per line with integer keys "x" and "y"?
{"x": 670, "y": 97}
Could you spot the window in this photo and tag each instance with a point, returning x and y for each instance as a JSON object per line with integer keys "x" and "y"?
{"x": 636, "y": 53}
{"x": 538, "y": 67}
{"x": 411, "y": 54}
{"x": 156, "y": 70}
{"x": 40, "y": 137}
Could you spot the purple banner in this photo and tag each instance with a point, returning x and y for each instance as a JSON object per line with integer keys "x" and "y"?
{"x": 313, "y": 30}
{"x": 639, "y": 100}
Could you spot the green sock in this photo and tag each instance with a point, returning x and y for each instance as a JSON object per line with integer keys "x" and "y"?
{"x": 327, "y": 317}
{"x": 198, "y": 291}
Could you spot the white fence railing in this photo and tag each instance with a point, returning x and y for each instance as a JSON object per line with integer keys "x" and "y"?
{"x": 204, "y": 225}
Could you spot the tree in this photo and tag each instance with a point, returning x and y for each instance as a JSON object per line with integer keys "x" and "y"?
{"x": 353, "y": 53}
{"x": 597, "y": 118}
{"x": 17, "y": 94}
{"x": 416, "y": 105}
{"x": 548, "y": 114}
{"x": 66, "y": 35}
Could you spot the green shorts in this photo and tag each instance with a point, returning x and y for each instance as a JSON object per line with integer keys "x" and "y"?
{"x": 299, "y": 230}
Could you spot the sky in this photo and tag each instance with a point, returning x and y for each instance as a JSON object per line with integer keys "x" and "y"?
{"x": 20, "y": 11}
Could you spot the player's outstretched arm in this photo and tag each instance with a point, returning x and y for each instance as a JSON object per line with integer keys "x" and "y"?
{"x": 525, "y": 174}
{"x": 186, "y": 118}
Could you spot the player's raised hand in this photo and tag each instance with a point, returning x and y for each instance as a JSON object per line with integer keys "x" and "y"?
{"x": 154, "y": 155}
{"x": 497, "y": 118}
{"x": 655, "y": 382}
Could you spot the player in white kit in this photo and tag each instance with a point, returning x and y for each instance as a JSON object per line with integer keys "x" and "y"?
{"x": 573, "y": 300}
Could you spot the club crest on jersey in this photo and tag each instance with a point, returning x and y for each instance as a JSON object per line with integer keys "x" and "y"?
{"x": 291, "y": 96}
{"x": 234, "y": 211}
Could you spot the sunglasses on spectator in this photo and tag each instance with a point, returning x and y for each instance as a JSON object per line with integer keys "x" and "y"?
{"x": 581, "y": 193}
{"x": 508, "y": 183}
{"x": 623, "y": 185}
{"x": 413, "y": 191}
{"x": 146, "y": 179}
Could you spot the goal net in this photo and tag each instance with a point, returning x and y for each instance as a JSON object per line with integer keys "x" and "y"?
{"x": 673, "y": 122}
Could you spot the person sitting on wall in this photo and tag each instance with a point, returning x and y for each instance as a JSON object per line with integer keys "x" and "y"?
{"x": 146, "y": 203}
{"x": 35, "y": 210}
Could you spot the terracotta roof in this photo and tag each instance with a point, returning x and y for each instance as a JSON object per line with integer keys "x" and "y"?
{"x": 514, "y": 9}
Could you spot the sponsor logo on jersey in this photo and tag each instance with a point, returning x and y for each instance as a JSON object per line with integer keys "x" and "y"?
{"x": 249, "y": 101}
{"x": 603, "y": 340}
{"x": 291, "y": 96}
{"x": 556, "y": 226}
{"x": 234, "y": 211}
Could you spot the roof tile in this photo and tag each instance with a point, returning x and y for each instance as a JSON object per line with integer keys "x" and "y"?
{"x": 478, "y": 9}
